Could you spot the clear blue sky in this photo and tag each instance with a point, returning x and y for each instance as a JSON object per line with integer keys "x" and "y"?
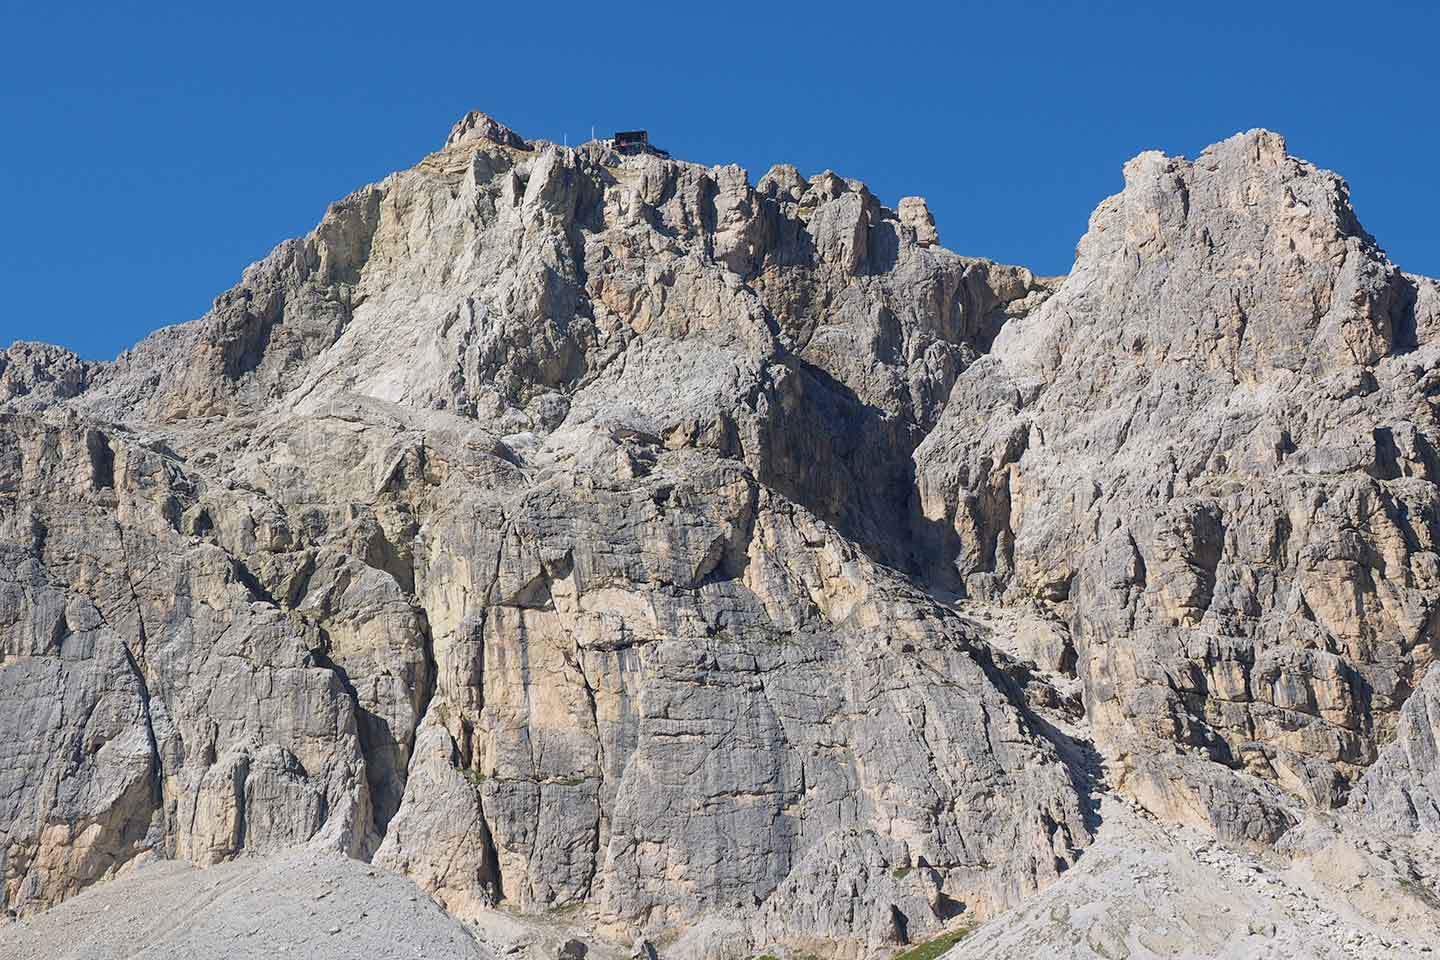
{"x": 151, "y": 151}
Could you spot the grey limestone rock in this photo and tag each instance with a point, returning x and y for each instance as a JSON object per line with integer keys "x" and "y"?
{"x": 571, "y": 531}
{"x": 1211, "y": 452}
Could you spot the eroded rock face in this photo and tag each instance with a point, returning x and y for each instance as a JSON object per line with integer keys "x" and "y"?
{"x": 1212, "y": 453}
{"x": 562, "y": 528}
{"x": 36, "y": 375}
{"x": 525, "y": 527}
{"x": 174, "y": 710}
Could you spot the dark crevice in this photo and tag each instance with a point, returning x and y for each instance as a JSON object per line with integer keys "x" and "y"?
{"x": 845, "y": 460}
{"x": 256, "y": 588}
{"x": 488, "y": 876}
{"x": 371, "y": 732}
{"x": 600, "y": 770}
{"x": 157, "y": 770}
{"x": 899, "y": 925}
{"x": 1387, "y": 455}
{"x": 102, "y": 460}
{"x": 1404, "y": 332}
{"x": 300, "y": 583}
{"x": 733, "y": 555}
{"x": 58, "y": 634}
{"x": 431, "y": 679}
{"x": 1083, "y": 763}
{"x": 242, "y": 827}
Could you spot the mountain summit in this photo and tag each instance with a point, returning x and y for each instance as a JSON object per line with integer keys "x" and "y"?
{"x": 622, "y": 550}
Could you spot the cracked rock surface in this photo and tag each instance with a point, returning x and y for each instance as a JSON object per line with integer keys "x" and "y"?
{"x": 607, "y": 542}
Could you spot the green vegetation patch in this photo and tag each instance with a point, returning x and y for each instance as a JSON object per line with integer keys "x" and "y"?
{"x": 931, "y": 949}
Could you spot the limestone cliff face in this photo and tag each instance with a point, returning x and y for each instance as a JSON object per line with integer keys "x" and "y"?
{"x": 1212, "y": 454}
{"x": 561, "y": 527}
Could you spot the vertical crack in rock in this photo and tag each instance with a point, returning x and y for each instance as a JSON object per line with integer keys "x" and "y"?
{"x": 431, "y": 678}
{"x": 599, "y": 769}
{"x": 157, "y": 779}
{"x": 366, "y": 724}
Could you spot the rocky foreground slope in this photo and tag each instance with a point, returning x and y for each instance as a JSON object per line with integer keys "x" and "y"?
{"x": 607, "y": 538}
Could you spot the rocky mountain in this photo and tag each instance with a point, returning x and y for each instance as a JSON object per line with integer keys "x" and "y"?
{"x": 605, "y": 542}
